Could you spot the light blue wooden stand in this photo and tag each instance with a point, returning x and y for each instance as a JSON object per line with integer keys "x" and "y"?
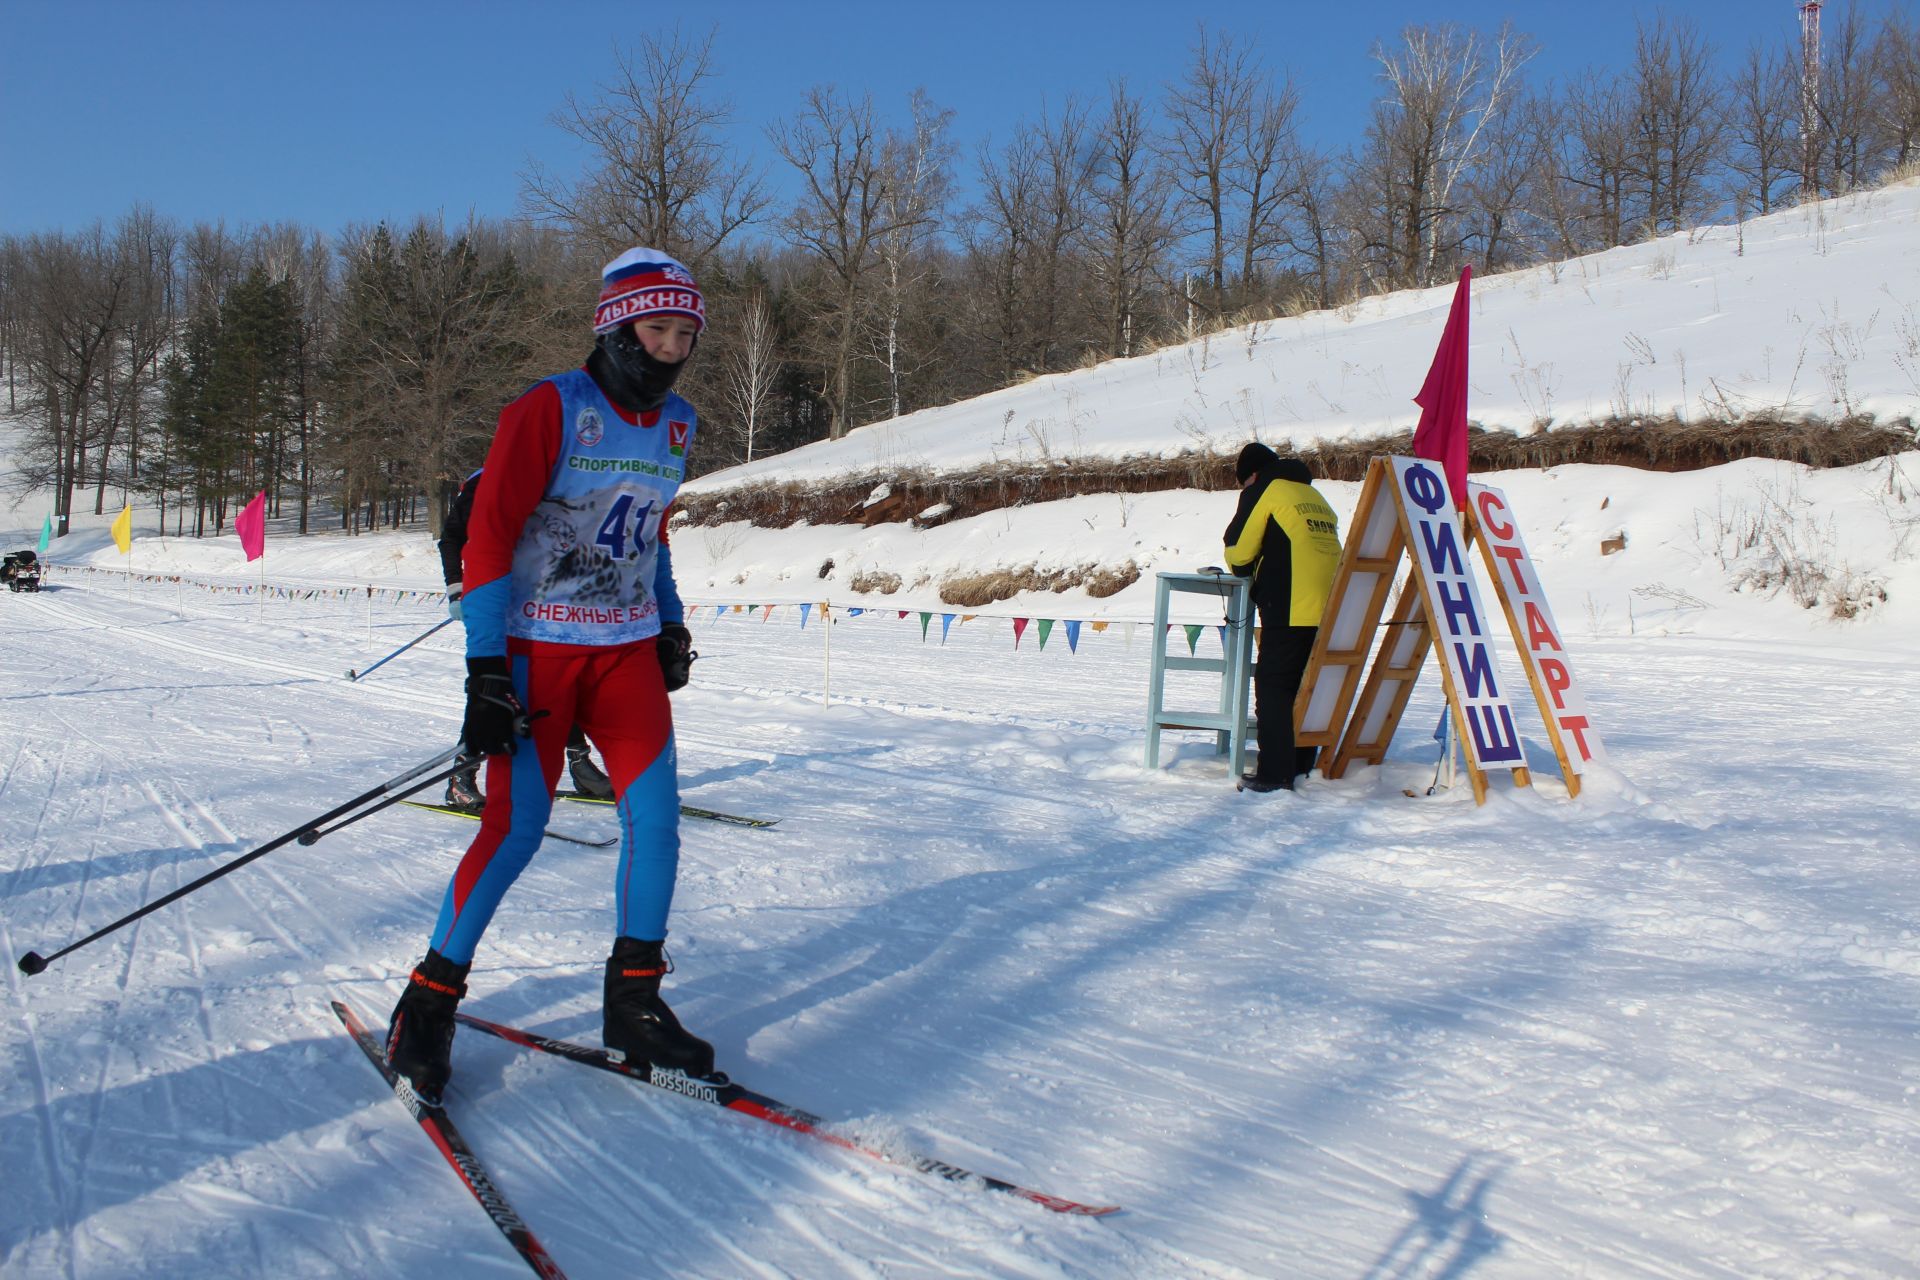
{"x": 1229, "y": 721}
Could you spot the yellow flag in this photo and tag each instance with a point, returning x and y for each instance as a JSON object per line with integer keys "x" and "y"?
{"x": 123, "y": 530}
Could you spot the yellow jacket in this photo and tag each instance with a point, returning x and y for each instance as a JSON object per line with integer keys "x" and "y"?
{"x": 1286, "y": 537}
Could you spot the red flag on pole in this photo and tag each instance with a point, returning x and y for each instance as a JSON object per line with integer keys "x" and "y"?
{"x": 1442, "y": 433}
{"x": 251, "y": 525}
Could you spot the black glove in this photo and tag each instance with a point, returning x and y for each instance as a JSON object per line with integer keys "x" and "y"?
{"x": 676, "y": 654}
{"x": 494, "y": 714}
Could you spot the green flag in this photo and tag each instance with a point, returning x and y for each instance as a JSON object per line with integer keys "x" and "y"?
{"x": 46, "y": 534}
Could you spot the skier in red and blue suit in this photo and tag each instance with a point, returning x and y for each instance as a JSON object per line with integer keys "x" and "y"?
{"x": 572, "y": 617}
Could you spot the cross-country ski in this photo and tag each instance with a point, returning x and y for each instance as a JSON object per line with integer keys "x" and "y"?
{"x": 550, "y": 833}
{"x": 686, "y": 811}
{"x": 438, "y": 1126}
{"x": 732, "y": 1096}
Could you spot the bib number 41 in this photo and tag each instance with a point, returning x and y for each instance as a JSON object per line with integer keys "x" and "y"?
{"x": 615, "y": 533}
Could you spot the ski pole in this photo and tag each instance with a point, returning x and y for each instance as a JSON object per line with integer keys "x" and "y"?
{"x": 33, "y": 962}
{"x": 1443, "y": 733}
{"x": 355, "y": 675}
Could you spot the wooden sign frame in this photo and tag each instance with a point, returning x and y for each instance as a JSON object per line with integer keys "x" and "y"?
{"x": 1405, "y": 505}
{"x": 1536, "y": 634}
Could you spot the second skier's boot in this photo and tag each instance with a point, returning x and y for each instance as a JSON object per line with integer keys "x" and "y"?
{"x": 463, "y": 791}
{"x": 638, "y": 1022}
{"x": 420, "y": 1034}
{"x": 588, "y": 780}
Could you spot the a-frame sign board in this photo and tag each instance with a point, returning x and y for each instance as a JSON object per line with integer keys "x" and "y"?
{"x": 1405, "y": 506}
{"x": 1536, "y": 635}
{"x": 1361, "y": 584}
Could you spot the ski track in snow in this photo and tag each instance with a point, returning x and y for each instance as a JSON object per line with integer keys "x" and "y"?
{"x": 1665, "y": 1030}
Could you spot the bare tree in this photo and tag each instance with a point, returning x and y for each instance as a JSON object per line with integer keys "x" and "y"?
{"x": 1129, "y": 228}
{"x": 146, "y": 245}
{"x": 753, "y": 366}
{"x": 1585, "y": 136}
{"x": 1850, "y": 149}
{"x": 840, "y": 219}
{"x": 1444, "y": 87}
{"x": 661, "y": 170}
{"x": 1763, "y": 111}
{"x": 13, "y": 323}
{"x": 918, "y": 161}
{"x": 1209, "y": 114}
{"x": 1061, "y": 212}
{"x": 1314, "y": 236}
{"x": 213, "y": 259}
{"x": 1021, "y": 236}
{"x": 1500, "y": 232}
{"x": 1263, "y": 180}
{"x": 1896, "y": 61}
{"x": 72, "y": 298}
{"x": 1677, "y": 116}
{"x": 998, "y": 233}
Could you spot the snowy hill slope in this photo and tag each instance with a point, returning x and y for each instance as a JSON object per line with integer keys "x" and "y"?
{"x": 1814, "y": 311}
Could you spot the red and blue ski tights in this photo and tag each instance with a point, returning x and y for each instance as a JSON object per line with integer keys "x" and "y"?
{"x": 617, "y": 695}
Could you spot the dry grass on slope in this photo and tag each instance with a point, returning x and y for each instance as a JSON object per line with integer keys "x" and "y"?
{"x": 927, "y": 498}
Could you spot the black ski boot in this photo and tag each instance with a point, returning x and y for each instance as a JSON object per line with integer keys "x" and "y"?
{"x": 588, "y": 780}
{"x": 420, "y": 1036}
{"x": 463, "y": 791}
{"x": 638, "y": 1022}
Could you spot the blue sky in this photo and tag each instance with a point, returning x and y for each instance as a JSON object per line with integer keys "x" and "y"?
{"x": 346, "y": 111}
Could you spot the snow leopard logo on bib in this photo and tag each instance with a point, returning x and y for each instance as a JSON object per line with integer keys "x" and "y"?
{"x": 588, "y": 428}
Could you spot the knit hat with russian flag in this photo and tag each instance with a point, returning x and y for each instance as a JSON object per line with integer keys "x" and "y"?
{"x": 646, "y": 282}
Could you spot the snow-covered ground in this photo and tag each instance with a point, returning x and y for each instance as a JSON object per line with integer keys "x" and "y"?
{"x": 1666, "y": 1029}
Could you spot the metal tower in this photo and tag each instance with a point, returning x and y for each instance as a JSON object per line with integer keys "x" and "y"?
{"x": 1810, "y": 96}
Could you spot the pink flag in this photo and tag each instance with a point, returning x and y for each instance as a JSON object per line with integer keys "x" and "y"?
{"x": 251, "y": 525}
{"x": 1442, "y": 434}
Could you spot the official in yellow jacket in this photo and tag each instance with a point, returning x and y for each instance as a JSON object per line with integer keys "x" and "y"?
{"x": 1286, "y": 538}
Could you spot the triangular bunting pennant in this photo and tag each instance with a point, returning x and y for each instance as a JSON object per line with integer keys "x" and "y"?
{"x": 1073, "y": 635}
{"x": 1193, "y": 630}
{"x": 1019, "y": 629}
{"x": 946, "y": 625}
{"x": 926, "y": 619}
{"x": 805, "y": 609}
{"x": 1046, "y": 628}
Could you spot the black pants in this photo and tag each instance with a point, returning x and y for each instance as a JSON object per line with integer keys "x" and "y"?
{"x": 1284, "y": 651}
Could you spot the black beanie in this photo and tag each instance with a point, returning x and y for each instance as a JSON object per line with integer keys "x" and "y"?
{"x": 1254, "y": 459}
{"x": 1295, "y": 470}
